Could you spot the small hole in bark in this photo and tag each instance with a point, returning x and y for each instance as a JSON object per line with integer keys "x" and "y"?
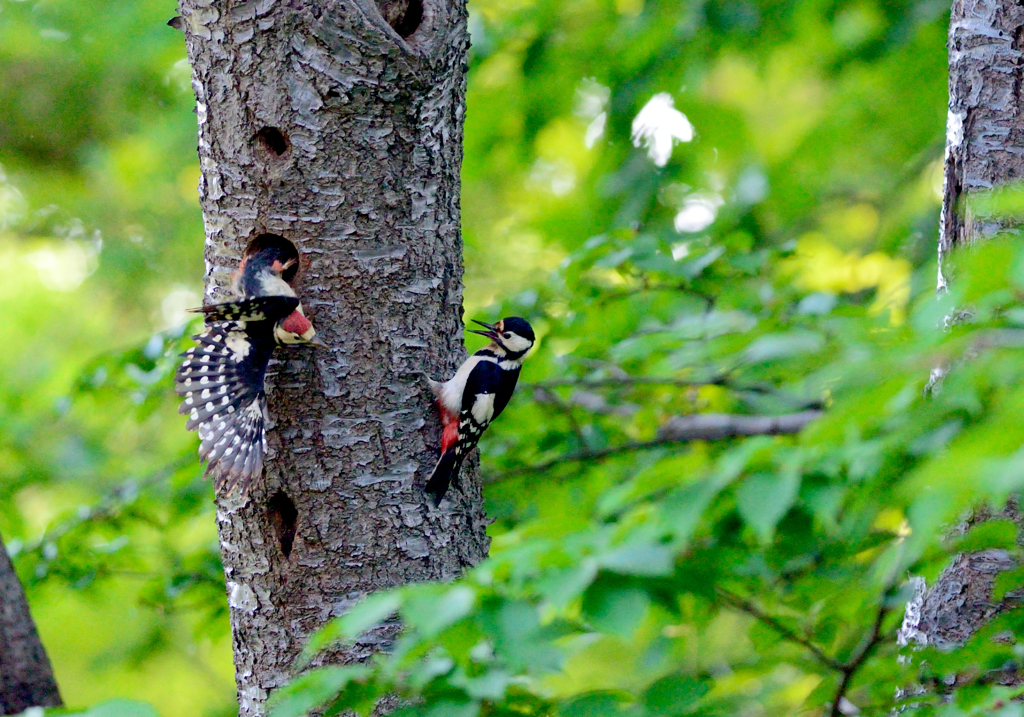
{"x": 273, "y": 140}
{"x": 287, "y": 252}
{"x": 282, "y": 514}
{"x": 403, "y": 15}
{"x": 333, "y": 93}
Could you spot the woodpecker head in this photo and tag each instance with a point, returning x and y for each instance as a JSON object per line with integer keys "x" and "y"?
{"x": 263, "y": 273}
{"x": 513, "y": 336}
{"x": 297, "y": 329}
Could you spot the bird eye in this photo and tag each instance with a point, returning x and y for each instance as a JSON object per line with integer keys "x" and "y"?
{"x": 507, "y": 335}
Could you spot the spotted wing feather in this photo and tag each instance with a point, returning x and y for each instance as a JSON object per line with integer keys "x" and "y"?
{"x": 221, "y": 381}
{"x": 257, "y": 308}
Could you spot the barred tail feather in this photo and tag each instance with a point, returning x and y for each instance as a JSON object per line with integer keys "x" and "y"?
{"x": 445, "y": 473}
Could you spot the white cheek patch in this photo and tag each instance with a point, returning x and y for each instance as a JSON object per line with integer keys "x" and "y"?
{"x": 516, "y": 344}
{"x": 483, "y": 408}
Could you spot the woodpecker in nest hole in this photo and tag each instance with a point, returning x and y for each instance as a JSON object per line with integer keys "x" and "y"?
{"x": 222, "y": 378}
{"x": 476, "y": 395}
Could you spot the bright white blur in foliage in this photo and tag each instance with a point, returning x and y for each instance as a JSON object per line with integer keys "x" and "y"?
{"x": 591, "y": 100}
{"x": 63, "y": 266}
{"x": 658, "y": 126}
{"x": 698, "y": 212}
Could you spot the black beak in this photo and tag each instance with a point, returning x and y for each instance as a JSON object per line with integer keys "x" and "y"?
{"x": 491, "y": 333}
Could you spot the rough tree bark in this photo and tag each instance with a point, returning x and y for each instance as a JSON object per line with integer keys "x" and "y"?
{"x": 984, "y": 141}
{"x": 322, "y": 124}
{"x": 26, "y": 678}
{"x": 985, "y": 125}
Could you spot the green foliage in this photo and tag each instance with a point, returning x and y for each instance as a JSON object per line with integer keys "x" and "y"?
{"x": 721, "y": 577}
{"x": 777, "y": 260}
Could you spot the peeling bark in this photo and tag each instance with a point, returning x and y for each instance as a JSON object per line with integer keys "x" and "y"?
{"x": 26, "y": 678}
{"x": 327, "y": 125}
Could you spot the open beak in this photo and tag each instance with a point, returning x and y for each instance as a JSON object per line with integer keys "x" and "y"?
{"x": 491, "y": 333}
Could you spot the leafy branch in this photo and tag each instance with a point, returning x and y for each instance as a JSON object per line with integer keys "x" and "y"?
{"x": 682, "y": 429}
{"x": 867, "y": 645}
{"x": 846, "y": 668}
{"x": 753, "y": 610}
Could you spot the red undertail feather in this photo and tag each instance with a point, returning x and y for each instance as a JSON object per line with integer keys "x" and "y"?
{"x": 450, "y": 435}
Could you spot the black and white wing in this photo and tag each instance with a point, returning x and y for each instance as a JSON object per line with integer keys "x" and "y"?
{"x": 222, "y": 383}
{"x": 256, "y": 308}
{"x": 483, "y": 385}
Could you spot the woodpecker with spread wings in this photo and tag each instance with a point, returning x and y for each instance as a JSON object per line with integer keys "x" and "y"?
{"x": 476, "y": 395}
{"x": 222, "y": 378}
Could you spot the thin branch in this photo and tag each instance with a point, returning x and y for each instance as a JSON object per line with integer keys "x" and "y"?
{"x": 860, "y": 654}
{"x": 543, "y": 395}
{"x": 751, "y": 609}
{"x": 613, "y": 381}
{"x": 625, "y": 380}
{"x": 646, "y": 286}
{"x": 847, "y": 669}
{"x": 683, "y": 429}
{"x": 715, "y": 426}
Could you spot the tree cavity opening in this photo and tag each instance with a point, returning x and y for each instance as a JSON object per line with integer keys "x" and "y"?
{"x": 273, "y": 140}
{"x": 288, "y": 251}
{"x": 404, "y": 16}
{"x": 282, "y": 514}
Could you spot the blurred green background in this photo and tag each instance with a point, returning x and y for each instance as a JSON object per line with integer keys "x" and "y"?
{"x": 737, "y": 198}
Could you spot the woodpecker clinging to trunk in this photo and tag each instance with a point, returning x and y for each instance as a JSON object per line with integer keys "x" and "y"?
{"x": 221, "y": 379}
{"x": 476, "y": 395}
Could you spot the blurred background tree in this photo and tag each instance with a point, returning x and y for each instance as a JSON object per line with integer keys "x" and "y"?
{"x": 717, "y": 206}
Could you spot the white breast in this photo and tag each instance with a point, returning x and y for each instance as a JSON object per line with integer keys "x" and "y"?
{"x": 453, "y": 388}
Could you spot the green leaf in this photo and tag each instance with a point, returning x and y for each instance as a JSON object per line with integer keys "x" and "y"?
{"x": 764, "y": 498}
{"x": 517, "y": 635}
{"x": 361, "y": 617}
{"x": 119, "y": 708}
{"x": 433, "y": 613}
{"x": 674, "y": 695}
{"x": 313, "y": 689}
{"x": 987, "y": 535}
{"x": 781, "y": 346}
{"x": 615, "y": 608}
{"x": 595, "y": 704}
{"x": 639, "y": 559}
{"x": 448, "y": 708}
{"x": 1008, "y": 581}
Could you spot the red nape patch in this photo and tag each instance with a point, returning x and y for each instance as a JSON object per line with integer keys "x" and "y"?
{"x": 450, "y": 435}
{"x": 297, "y": 323}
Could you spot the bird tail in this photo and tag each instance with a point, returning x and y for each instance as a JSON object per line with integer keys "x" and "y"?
{"x": 445, "y": 473}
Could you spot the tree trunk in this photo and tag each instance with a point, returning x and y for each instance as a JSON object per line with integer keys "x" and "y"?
{"x": 26, "y": 678}
{"x": 322, "y": 124}
{"x": 984, "y": 136}
{"x": 985, "y": 125}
